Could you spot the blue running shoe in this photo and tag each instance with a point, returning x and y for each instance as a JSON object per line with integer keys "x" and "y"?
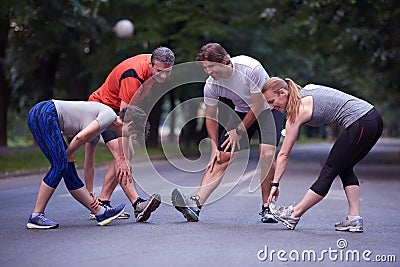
{"x": 110, "y": 214}
{"x": 41, "y": 222}
{"x": 107, "y": 203}
{"x": 266, "y": 215}
{"x": 188, "y": 206}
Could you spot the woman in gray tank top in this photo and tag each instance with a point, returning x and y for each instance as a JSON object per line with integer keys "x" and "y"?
{"x": 82, "y": 122}
{"x": 317, "y": 105}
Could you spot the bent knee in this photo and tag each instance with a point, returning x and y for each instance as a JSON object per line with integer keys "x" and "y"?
{"x": 267, "y": 152}
{"x": 224, "y": 157}
{"x": 53, "y": 177}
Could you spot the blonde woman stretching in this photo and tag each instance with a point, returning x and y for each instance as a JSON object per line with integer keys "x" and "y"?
{"x": 318, "y": 105}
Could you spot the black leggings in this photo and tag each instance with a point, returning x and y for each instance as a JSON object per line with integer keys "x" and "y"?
{"x": 351, "y": 146}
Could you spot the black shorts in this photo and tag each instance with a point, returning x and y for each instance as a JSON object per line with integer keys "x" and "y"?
{"x": 109, "y": 135}
{"x": 268, "y": 124}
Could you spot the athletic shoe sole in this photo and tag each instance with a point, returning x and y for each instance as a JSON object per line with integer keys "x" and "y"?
{"x": 108, "y": 220}
{"x": 283, "y": 221}
{"x": 35, "y": 226}
{"x": 269, "y": 220}
{"x": 123, "y": 216}
{"x": 154, "y": 203}
{"x": 190, "y": 215}
{"x": 350, "y": 229}
{"x": 178, "y": 200}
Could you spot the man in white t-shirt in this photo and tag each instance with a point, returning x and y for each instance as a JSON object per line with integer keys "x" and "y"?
{"x": 239, "y": 79}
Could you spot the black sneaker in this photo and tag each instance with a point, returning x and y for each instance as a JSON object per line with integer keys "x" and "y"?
{"x": 107, "y": 204}
{"x": 266, "y": 215}
{"x": 188, "y": 206}
{"x": 40, "y": 222}
{"x": 143, "y": 208}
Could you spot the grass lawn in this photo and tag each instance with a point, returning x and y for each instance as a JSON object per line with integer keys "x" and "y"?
{"x": 33, "y": 159}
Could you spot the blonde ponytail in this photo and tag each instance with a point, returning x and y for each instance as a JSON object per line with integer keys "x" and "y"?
{"x": 274, "y": 84}
{"x": 294, "y": 100}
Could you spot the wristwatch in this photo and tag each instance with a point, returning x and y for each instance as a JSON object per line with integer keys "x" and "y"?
{"x": 239, "y": 132}
{"x": 274, "y": 184}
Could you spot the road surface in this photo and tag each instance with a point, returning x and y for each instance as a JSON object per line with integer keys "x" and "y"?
{"x": 229, "y": 232}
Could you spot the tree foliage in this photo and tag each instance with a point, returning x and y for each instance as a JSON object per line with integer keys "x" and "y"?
{"x": 353, "y": 45}
{"x": 66, "y": 48}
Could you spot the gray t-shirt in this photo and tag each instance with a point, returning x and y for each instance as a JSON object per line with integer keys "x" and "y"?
{"x": 248, "y": 77}
{"x": 331, "y": 106}
{"x": 74, "y": 116}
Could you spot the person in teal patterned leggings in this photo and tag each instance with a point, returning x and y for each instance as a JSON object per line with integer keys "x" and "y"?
{"x": 83, "y": 122}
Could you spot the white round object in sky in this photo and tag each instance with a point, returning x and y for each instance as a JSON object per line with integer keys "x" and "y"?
{"x": 124, "y": 28}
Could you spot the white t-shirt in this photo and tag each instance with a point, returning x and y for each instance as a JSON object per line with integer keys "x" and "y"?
{"x": 247, "y": 78}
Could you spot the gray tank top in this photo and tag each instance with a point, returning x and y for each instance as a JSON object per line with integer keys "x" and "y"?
{"x": 74, "y": 116}
{"x": 331, "y": 106}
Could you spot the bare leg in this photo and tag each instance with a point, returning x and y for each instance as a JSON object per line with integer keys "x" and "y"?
{"x": 267, "y": 155}
{"x": 266, "y": 184}
{"x": 110, "y": 181}
{"x": 109, "y": 184}
{"x": 88, "y": 171}
{"x": 212, "y": 179}
{"x": 130, "y": 191}
{"x": 310, "y": 199}
{"x": 353, "y": 198}
{"x": 130, "y": 188}
{"x": 43, "y": 197}
{"x": 86, "y": 199}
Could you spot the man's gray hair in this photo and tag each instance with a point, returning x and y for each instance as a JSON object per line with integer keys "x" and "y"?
{"x": 164, "y": 55}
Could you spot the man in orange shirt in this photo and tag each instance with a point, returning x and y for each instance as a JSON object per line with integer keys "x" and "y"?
{"x": 128, "y": 83}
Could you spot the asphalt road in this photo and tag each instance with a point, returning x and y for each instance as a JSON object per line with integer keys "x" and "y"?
{"x": 229, "y": 232}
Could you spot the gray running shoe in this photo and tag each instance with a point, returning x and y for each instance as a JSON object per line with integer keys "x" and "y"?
{"x": 107, "y": 204}
{"x": 188, "y": 206}
{"x": 144, "y": 208}
{"x": 350, "y": 226}
{"x": 266, "y": 215}
{"x": 284, "y": 214}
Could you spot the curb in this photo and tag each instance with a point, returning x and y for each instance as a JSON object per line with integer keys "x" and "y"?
{"x": 390, "y": 157}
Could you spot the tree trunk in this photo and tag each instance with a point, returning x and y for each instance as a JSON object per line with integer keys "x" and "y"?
{"x": 154, "y": 120}
{"x": 5, "y": 90}
{"x": 78, "y": 90}
{"x": 172, "y": 135}
{"x": 46, "y": 76}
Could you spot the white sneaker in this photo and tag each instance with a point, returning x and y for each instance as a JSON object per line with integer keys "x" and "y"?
{"x": 284, "y": 214}
{"x": 350, "y": 226}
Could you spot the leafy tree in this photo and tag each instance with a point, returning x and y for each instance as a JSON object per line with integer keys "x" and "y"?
{"x": 66, "y": 48}
{"x": 5, "y": 91}
{"x": 49, "y": 44}
{"x": 353, "y": 45}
